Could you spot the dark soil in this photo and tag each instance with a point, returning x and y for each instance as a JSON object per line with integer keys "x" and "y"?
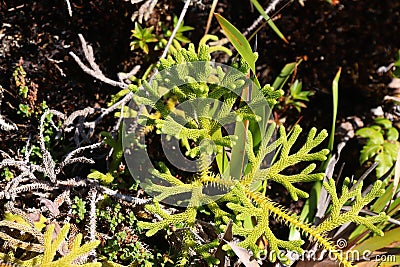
{"x": 357, "y": 36}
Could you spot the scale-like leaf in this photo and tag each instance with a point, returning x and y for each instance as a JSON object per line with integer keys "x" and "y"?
{"x": 391, "y": 149}
{"x": 373, "y": 136}
{"x": 378, "y": 242}
{"x": 385, "y": 163}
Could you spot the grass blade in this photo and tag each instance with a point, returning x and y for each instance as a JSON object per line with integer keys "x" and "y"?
{"x": 286, "y": 71}
{"x": 335, "y": 95}
{"x": 310, "y": 206}
{"x": 238, "y": 41}
{"x": 390, "y": 239}
{"x": 269, "y": 20}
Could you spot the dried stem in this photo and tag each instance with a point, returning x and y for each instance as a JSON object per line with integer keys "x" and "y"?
{"x": 94, "y": 70}
{"x": 69, "y": 8}
{"x": 178, "y": 24}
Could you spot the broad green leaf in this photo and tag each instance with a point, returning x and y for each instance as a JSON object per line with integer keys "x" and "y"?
{"x": 391, "y": 149}
{"x": 238, "y": 41}
{"x": 269, "y": 20}
{"x": 243, "y": 47}
{"x": 373, "y": 136}
{"x": 284, "y": 75}
{"x": 394, "y": 261}
{"x": 381, "y": 202}
{"x": 385, "y": 163}
{"x": 368, "y": 152}
{"x": 186, "y": 28}
{"x": 310, "y": 207}
{"x": 392, "y": 134}
{"x": 396, "y": 178}
{"x": 304, "y": 95}
{"x": 383, "y": 260}
{"x": 378, "y": 242}
{"x": 383, "y": 122}
{"x": 238, "y": 152}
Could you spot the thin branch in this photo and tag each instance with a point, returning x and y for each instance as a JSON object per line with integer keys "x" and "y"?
{"x": 144, "y": 11}
{"x": 271, "y": 7}
{"x": 48, "y": 162}
{"x": 81, "y": 149}
{"x": 4, "y": 125}
{"x": 123, "y": 76}
{"x": 210, "y": 16}
{"x": 178, "y": 24}
{"x": 92, "y": 219}
{"x": 94, "y": 71}
{"x": 127, "y": 198}
{"x": 83, "y": 182}
{"x": 7, "y": 126}
{"x": 370, "y": 213}
{"x": 69, "y": 8}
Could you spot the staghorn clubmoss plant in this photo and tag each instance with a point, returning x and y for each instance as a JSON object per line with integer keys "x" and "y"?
{"x": 353, "y": 195}
{"x": 44, "y": 253}
{"x": 187, "y": 73}
{"x": 75, "y": 249}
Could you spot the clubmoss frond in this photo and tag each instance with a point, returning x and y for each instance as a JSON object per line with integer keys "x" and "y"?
{"x": 293, "y": 220}
{"x": 29, "y": 236}
{"x": 271, "y": 94}
{"x": 166, "y": 176}
{"x": 188, "y": 216}
{"x": 16, "y": 243}
{"x": 18, "y": 263}
{"x": 204, "y": 252}
{"x": 358, "y": 202}
{"x": 206, "y": 56}
{"x": 286, "y": 159}
{"x": 199, "y": 81}
{"x": 217, "y": 181}
{"x": 48, "y": 251}
{"x": 188, "y": 243}
{"x": 75, "y": 251}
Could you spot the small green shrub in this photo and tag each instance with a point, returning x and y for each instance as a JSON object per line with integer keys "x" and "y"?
{"x": 245, "y": 204}
{"x": 142, "y": 37}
